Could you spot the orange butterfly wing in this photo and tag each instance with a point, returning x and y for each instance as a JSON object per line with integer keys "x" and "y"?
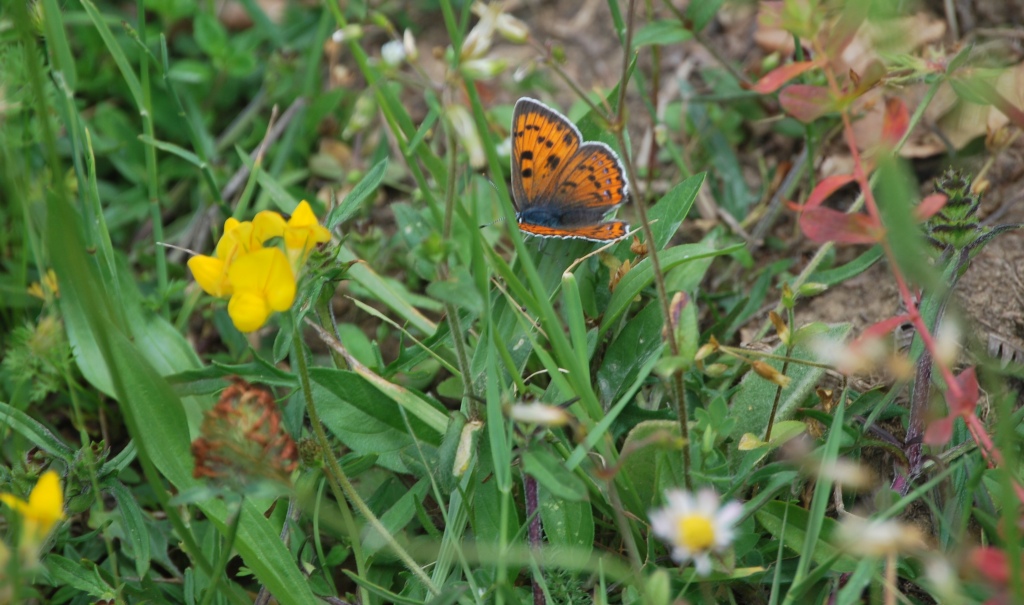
{"x": 594, "y": 178}
{"x": 601, "y": 232}
{"x": 543, "y": 141}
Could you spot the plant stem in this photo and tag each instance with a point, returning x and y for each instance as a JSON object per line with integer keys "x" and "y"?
{"x": 451, "y": 311}
{"x": 342, "y": 487}
{"x": 533, "y": 514}
{"x": 678, "y": 388}
{"x": 220, "y": 567}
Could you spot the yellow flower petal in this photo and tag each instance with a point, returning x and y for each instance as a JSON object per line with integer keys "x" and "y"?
{"x": 211, "y": 275}
{"x": 263, "y": 281}
{"x": 238, "y": 242}
{"x": 303, "y": 231}
{"x": 47, "y": 501}
{"x": 280, "y": 284}
{"x": 44, "y": 508}
{"x": 248, "y": 311}
{"x": 267, "y": 224}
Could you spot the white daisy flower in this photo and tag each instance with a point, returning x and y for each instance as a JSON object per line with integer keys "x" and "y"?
{"x": 696, "y": 526}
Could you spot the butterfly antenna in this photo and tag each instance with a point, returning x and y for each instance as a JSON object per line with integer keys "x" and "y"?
{"x": 497, "y": 220}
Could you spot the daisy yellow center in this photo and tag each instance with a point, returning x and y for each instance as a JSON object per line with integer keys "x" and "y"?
{"x": 696, "y": 532}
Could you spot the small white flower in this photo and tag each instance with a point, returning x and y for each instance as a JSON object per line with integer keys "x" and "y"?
{"x": 860, "y": 357}
{"x": 874, "y": 538}
{"x": 478, "y": 40}
{"x": 695, "y": 526}
{"x": 393, "y": 52}
{"x": 510, "y": 28}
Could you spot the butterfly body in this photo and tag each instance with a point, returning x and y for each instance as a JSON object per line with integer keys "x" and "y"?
{"x": 563, "y": 187}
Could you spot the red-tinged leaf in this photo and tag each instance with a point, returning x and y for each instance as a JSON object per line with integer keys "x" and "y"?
{"x": 825, "y": 188}
{"x": 966, "y": 400}
{"x": 884, "y": 327}
{"x": 895, "y": 122}
{"x": 806, "y": 103}
{"x": 822, "y": 225}
{"x": 774, "y": 79}
{"x": 929, "y": 206}
{"x": 940, "y": 431}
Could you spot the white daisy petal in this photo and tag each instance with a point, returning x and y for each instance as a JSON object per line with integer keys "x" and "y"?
{"x": 694, "y": 525}
{"x": 702, "y": 563}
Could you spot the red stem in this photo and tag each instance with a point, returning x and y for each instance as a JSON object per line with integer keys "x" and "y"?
{"x": 988, "y": 449}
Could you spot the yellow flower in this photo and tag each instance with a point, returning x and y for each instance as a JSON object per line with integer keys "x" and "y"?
{"x": 43, "y": 510}
{"x": 262, "y": 282}
{"x": 43, "y": 288}
{"x": 239, "y": 239}
{"x": 303, "y": 232}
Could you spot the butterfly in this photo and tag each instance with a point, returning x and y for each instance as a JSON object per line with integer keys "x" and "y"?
{"x": 563, "y": 186}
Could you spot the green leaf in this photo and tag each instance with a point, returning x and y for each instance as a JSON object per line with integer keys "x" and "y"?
{"x": 550, "y": 472}
{"x": 701, "y": 13}
{"x": 427, "y": 422}
{"x": 30, "y": 429}
{"x": 367, "y": 185}
{"x": 362, "y": 432}
{"x": 642, "y": 275}
{"x": 672, "y": 208}
{"x": 831, "y": 277}
{"x": 395, "y": 518}
{"x": 210, "y": 35}
{"x": 458, "y": 290}
{"x": 792, "y": 534}
{"x": 654, "y": 463}
{"x": 661, "y": 33}
{"x": 181, "y": 152}
{"x": 134, "y": 526}
{"x": 65, "y": 572}
{"x": 568, "y": 526}
{"x": 632, "y": 349}
{"x": 391, "y": 293}
{"x": 752, "y": 404}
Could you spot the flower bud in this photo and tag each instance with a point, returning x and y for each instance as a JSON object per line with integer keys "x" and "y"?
{"x": 409, "y": 42}
{"x": 780, "y": 327}
{"x": 540, "y": 414}
{"x": 770, "y": 374}
{"x": 483, "y": 69}
{"x": 465, "y": 131}
{"x": 347, "y": 33}
{"x": 512, "y": 29}
{"x": 812, "y": 289}
{"x": 464, "y": 452}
